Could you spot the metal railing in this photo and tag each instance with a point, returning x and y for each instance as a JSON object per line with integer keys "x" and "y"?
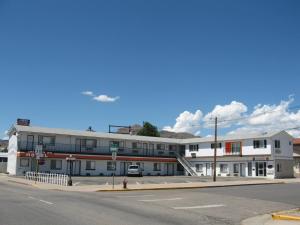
{"x": 96, "y": 150}
{"x": 49, "y": 178}
{"x": 186, "y": 165}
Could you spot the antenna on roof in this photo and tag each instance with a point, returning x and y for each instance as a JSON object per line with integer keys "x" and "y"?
{"x": 90, "y": 129}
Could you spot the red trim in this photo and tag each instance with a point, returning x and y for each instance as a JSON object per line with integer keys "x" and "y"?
{"x": 101, "y": 157}
{"x": 228, "y": 147}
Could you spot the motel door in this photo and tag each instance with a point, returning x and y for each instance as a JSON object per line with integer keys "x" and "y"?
{"x": 76, "y": 167}
{"x": 145, "y": 148}
{"x": 208, "y": 169}
{"x": 30, "y": 143}
{"x": 242, "y": 169}
{"x": 170, "y": 169}
{"x": 261, "y": 169}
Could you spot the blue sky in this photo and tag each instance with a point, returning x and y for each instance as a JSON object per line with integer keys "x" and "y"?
{"x": 160, "y": 58}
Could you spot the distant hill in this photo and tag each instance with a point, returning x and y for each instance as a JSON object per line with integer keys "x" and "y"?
{"x": 165, "y": 134}
{"x": 179, "y": 135}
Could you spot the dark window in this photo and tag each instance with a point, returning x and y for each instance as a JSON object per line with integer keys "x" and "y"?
{"x": 193, "y": 148}
{"x": 277, "y": 143}
{"x": 90, "y": 165}
{"x": 56, "y": 165}
{"x": 260, "y": 144}
{"x": 212, "y": 145}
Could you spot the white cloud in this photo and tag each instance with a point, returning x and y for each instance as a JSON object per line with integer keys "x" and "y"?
{"x": 5, "y": 135}
{"x": 263, "y": 118}
{"x": 233, "y": 111}
{"x": 266, "y": 118}
{"x": 100, "y": 98}
{"x": 87, "y": 93}
{"x": 105, "y": 98}
{"x": 187, "y": 122}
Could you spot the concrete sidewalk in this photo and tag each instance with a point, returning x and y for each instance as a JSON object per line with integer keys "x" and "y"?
{"x": 135, "y": 187}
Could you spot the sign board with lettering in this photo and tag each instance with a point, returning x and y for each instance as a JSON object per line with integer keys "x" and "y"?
{"x": 38, "y": 151}
{"x": 23, "y": 122}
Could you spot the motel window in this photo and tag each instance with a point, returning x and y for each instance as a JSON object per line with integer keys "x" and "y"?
{"x": 156, "y": 167}
{"x": 278, "y": 167}
{"x": 193, "y": 148}
{"x": 224, "y": 168}
{"x": 55, "y": 164}
{"x": 88, "y": 143}
{"x": 233, "y": 148}
{"x": 46, "y": 140}
{"x": 141, "y": 165}
{"x": 24, "y": 162}
{"x": 136, "y": 145}
{"x": 119, "y": 144}
{"x": 111, "y": 166}
{"x": 212, "y": 145}
{"x": 160, "y": 147}
{"x": 259, "y": 143}
{"x": 90, "y": 165}
{"x": 277, "y": 143}
{"x": 235, "y": 168}
{"x": 172, "y": 147}
{"x": 151, "y": 146}
{"x": 199, "y": 168}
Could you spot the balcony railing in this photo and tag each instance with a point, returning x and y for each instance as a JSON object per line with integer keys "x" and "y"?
{"x": 232, "y": 153}
{"x": 98, "y": 150}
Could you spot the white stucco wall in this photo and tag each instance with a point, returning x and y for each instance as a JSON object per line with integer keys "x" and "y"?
{"x": 12, "y": 155}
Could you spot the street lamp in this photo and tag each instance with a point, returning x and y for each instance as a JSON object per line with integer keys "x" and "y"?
{"x": 70, "y": 161}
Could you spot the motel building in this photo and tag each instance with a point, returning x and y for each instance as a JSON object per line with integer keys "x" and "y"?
{"x": 263, "y": 155}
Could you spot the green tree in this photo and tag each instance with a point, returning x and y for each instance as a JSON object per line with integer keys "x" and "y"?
{"x": 148, "y": 130}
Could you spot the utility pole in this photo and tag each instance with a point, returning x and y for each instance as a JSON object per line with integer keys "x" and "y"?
{"x": 215, "y": 150}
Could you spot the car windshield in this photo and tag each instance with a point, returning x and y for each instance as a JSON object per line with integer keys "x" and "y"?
{"x": 133, "y": 167}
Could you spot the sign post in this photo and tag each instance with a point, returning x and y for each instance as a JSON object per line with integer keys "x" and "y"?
{"x": 70, "y": 159}
{"x": 114, "y": 150}
{"x": 38, "y": 154}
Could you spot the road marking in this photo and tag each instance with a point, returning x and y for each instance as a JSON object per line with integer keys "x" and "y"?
{"x": 32, "y": 197}
{"x": 138, "y": 183}
{"x": 106, "y": 183}
{"x": 157, "y": 200}
{"x": 199, "y": 207}
{"x": 76, "y": 183}
{"x": 165, "y": 182}
{"x": 49, "y": 203}
{"x": 188, "y": 181}
{"x": 135, "y": 196}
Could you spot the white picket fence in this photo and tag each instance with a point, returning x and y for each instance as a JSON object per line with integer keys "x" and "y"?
{"x": 50, "y": 178}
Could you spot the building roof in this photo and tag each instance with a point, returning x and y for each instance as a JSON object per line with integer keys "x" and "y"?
{"x": 234, "y": 137}
{"x": 115, "y": 136}
{"x": 68, "y": 132}
{"x": 296, "y": 141}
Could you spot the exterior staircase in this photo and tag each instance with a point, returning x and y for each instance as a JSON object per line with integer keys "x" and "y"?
{"x": 186, "y": 165}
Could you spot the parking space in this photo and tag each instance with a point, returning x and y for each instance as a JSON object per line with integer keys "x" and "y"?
{"x": 150, "y": 180}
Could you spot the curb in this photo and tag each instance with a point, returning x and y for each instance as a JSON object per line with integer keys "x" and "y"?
{"x": 177, "y": 188}
{"x": 145, "y": 189}
{"x": 283, "y": 215}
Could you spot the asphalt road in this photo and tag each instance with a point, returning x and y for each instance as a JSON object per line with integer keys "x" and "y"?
{"x": 25, "y": 205}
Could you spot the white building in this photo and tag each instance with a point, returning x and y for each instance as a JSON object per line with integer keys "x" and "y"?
{"x": 265, "y": 155}
{"x": 261, "y": 155}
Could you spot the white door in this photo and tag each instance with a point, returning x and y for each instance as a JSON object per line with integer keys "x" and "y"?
{"x": 208, "y": 169}
{"x": 242, "y": 170}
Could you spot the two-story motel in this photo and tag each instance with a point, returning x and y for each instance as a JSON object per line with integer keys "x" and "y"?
{"x": 262, "y": 155}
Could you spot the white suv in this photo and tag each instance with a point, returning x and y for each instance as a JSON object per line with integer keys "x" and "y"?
{"x": 134, "y": 170}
